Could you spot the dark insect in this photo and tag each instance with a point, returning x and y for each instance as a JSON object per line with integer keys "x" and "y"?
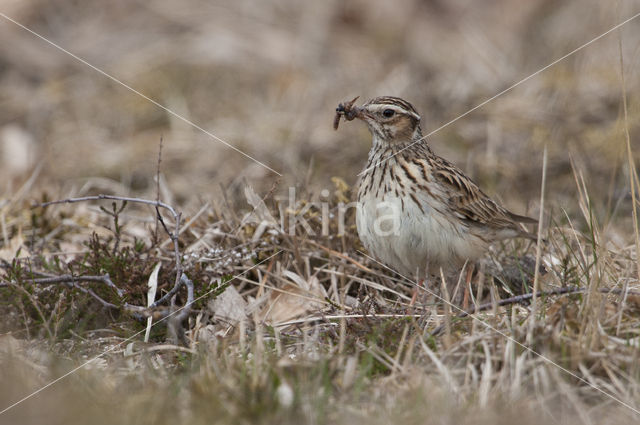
{"x": 347, "y": 110}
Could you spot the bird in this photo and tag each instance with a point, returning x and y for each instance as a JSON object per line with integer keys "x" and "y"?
{"x": 416, "y": 212}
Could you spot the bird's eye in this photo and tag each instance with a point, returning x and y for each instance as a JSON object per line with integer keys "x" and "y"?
{"x": 388, "y": 113}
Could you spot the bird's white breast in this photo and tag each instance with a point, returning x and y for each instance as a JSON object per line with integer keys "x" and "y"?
{"x": 412, "y": 235}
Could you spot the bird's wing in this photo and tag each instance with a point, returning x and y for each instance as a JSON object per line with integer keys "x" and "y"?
{"x": 470, "y": 203}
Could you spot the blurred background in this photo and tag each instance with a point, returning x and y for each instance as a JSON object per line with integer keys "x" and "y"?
{"x": 266, "y": 76}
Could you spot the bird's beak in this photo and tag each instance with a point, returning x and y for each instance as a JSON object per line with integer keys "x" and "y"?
{"x": 357, "y": 112}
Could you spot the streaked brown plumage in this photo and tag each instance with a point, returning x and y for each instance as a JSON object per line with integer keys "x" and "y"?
{"x": 417, "y": 212}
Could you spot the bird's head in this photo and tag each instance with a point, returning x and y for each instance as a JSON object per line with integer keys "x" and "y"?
{"x": 391, "y": 120}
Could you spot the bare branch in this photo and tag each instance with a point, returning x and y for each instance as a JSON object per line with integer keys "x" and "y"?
{"x": 112, "y": 197}
{"x": 526, "y": 297}
{"x": 90, "y": 292}
{"x": 106, "y": 279}
{"x": 157, "y": 204}
{"x": 187, "y": 305}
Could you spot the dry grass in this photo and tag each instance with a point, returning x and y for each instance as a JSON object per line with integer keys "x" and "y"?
{"x": 289, "y": 327}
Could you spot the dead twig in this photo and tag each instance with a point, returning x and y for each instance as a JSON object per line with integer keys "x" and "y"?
{"x": 175, "y": 329}
{"x": 72, "y": 282}
{"x": 106, "y": 279}
{"x": 102, "y": 197}
{"x": 187, "y": 305}
{"x": 168, "y": 295}
{"x": 155, "y": 233}
{"x": 526, "y": 297}
{"x": 90, "y": 292}
{"x": 340, "y": 255}
{"x": 177, "y": 216}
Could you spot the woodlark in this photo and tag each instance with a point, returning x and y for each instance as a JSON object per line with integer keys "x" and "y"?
{"x": 416, "y": 211}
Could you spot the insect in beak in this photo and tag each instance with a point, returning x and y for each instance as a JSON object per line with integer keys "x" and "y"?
{"x": 346, "y": 110}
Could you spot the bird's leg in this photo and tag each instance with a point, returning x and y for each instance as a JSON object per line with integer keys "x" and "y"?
{"x": 414, "y": 295}
{"x": 467, "y": 285}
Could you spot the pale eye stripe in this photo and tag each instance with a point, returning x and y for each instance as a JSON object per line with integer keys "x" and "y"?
{"x": 382, "y": 106}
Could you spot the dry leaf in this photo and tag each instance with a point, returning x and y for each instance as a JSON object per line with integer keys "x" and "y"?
{"x": 228, "y": 306}
{"x": 259, "y": 215}
{"x": 294, "y": 299}
{"x": 151, "y": 296}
